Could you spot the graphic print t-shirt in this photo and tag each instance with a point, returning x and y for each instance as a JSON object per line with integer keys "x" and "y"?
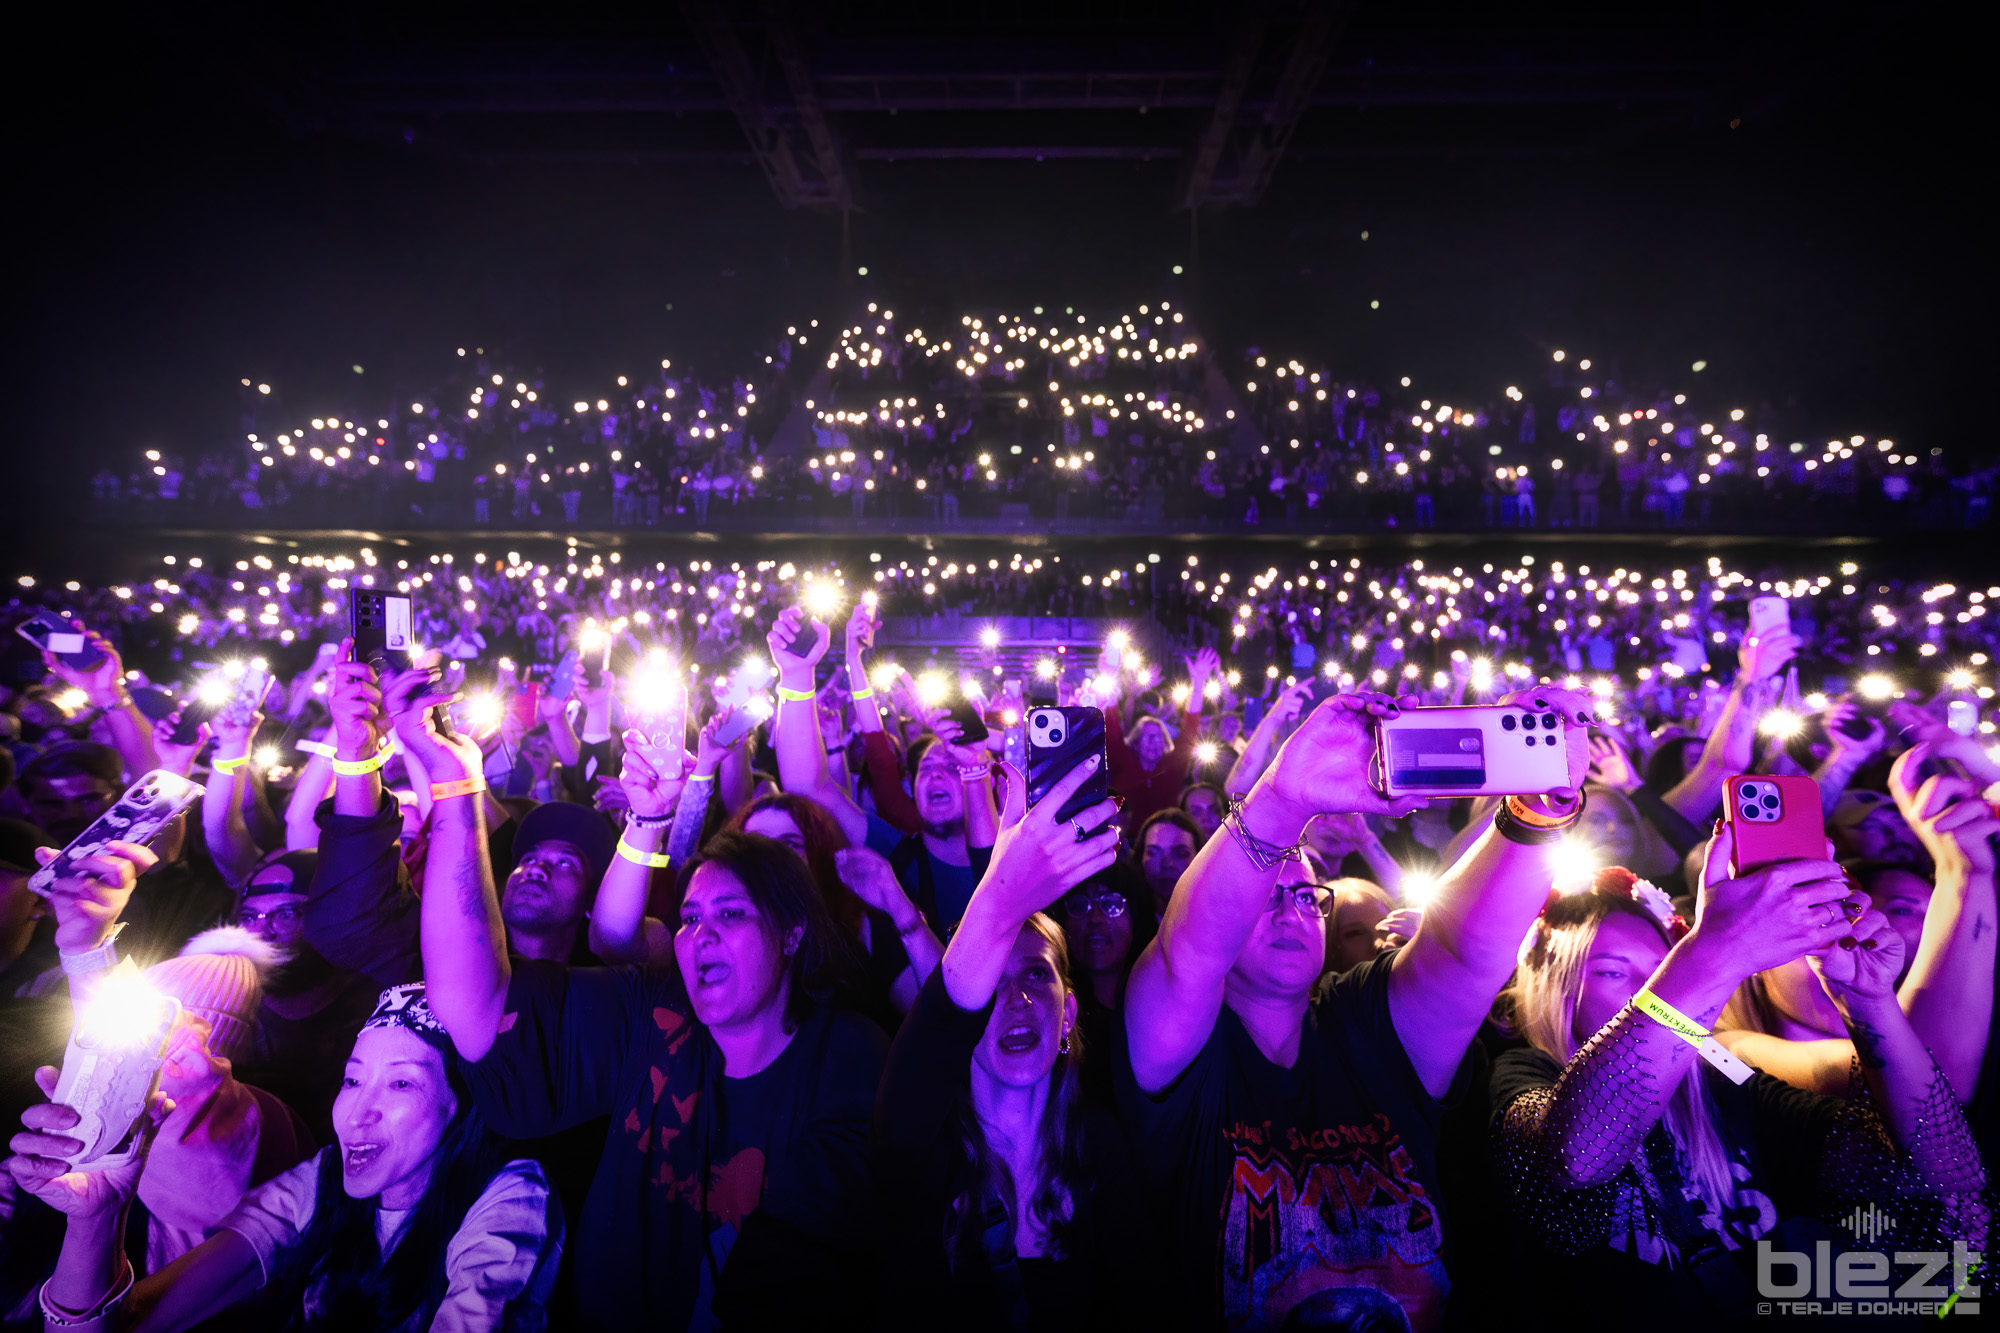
{"x": 1302, "y": 1197}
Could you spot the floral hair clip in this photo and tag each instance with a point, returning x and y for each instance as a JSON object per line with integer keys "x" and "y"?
{"x": 1620, "y": 881}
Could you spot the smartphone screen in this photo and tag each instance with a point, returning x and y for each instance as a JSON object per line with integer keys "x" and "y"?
{"x": 59, "y": 636}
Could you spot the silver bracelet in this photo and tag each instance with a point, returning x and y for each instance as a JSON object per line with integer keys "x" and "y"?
{"x": 89, "y": 962}
{"x": 57, "y": 1317}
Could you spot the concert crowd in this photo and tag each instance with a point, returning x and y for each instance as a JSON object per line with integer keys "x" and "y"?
{"x": 740, "y": 944}
{"x": 1128, "y": 421}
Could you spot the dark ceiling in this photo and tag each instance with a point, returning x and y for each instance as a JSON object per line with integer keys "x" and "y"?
{"x": 1785, "y": 191}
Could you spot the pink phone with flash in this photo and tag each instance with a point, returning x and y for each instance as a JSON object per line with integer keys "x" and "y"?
{"x": 1774, "y": 819}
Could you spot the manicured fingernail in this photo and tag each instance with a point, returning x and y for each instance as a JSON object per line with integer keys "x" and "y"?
{"x": 1868, "y": 944}
{"x": 1541, "y": 703}
{"x": 1848, "y": 944}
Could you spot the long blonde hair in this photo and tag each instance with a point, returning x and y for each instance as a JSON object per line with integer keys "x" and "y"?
{"x": 1542, "y": 1001}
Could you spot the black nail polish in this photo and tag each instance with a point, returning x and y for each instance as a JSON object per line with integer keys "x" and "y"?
{"x": 1868, "y": 944}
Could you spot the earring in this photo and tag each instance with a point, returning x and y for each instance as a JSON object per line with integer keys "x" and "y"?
{"x": 1063, "y": 1047}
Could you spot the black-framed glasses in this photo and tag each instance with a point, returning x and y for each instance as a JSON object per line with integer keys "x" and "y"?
{"x": 287, "y": 916}
{"x": 1078, "y": 902}
{"x": 1308, "y": 900}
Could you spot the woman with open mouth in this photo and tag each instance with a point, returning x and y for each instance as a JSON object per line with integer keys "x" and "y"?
{"x": 410, "y": 1221}
{"x": 997, "y": 1172}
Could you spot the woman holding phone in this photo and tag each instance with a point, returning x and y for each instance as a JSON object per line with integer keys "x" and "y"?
{"x": 1005, "y": 1181}
{"x": 1645, "y": 1178}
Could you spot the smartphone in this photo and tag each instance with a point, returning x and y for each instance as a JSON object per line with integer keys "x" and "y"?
{"x": 381, "y": 628}
{"x": 972, "y": 728}
{"x": 250, "y": 688}
{"x": 111, "y": 1066}
{"x": 141, "y": 815}
{"x": 1962, "y": 716}
{"x": 1471, "y": 750}
{"x": 526, "y": 703}
{"x": 660, "y": 716}
{"x": 1058, "y": 740}
{"x": 1775, "y": 819}
{"x": 1769, "y": 614}
{"x": 562, "y": 677}
{"x": 209, "y": 698}
{"x": 57, "y": 634}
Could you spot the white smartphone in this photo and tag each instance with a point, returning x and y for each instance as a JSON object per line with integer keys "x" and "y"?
{"x": 111, "y": 1066}
{"x": 141, "y": 815}
{"x": 1769, "y": 614}
{"x": 1473, "y": 750}
{"x": 1962, "y": 716}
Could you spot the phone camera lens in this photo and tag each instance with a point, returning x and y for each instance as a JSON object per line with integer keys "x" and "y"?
{"x": 1770, "y": 803}
{"x": 1550, "y": 722}
{"x": 1055, "y": 738}
{"x": 1507, "y": 722}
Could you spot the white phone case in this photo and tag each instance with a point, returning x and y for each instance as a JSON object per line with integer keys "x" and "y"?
{"x": 108, "y": 1084}
{"x": 1474, "y": 750}
{"x": 140, "y": 816}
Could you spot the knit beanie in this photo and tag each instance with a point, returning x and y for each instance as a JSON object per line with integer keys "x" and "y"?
{"x": 220, "y": 976}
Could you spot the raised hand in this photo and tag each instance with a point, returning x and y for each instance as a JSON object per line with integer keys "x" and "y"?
{"x": 355, "y": 700}
{"x": 1201, "y": 667}
{"x": 1955, "y": 826}
{"x": 710, "y": 750}
{"x": 408, "y": 697}
{"x": 178, "y": 758}
{"x": 1762, "y": 656}
{"x": 1860, "y": 968}
{"x": 1036, "y": 859}
{"x": 1323, "y": 767}
{"x": 1577, "y": 711}
{"x": 873, "y": 880}
{"x": 647, "y": 791}
{"x": 103, "y": 683}
{"x": 1855, "y": 750}
{"x": 796, "y": 651}
{"x": 1768, "y": 918}
{"x": 1611, "y": 766}
{"x": 39, "y": 1167}
{"x": 861, "y": 627}
{"x": 88, "y": 902}
{"x": 1291, "y": 701}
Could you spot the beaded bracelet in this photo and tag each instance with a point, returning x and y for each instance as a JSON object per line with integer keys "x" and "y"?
{"x": 654, "y": 860}
{"x": 634, "y": 819}
{"x": 444, "y": 791}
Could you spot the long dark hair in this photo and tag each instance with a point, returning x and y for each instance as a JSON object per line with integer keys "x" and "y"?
{"x": 826, "y": 962}
{"x": 1060, "y": 1166}
{"x": 337, "y": 1265}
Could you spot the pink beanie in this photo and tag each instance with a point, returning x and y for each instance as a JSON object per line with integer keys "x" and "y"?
{"x": 220, "y": 977}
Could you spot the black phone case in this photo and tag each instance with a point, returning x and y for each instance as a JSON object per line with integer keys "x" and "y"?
{"x": 368, "y": 625}
{"x": 1050, "y": 760}
{"x": 193, "y": 714}
{"x": 971, "y": 731}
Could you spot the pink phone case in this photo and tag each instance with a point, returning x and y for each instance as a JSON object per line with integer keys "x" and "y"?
{"x": 1774, "y": 819}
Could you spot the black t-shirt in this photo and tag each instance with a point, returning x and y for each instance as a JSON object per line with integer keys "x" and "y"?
{"x": 1302, "y": 1196}
{"x": 1772, "y": 1133}
{"x": 744, "y": 1197}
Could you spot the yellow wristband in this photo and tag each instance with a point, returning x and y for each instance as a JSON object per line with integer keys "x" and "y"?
{"x": 228, "y": 766}
{"x": 864, "y": 693}
{"x": 320, "y": 748}
{"x": 354, "y": 768}
{"x": 444, "y": 791}
{"x": 655, "y": 860}
{"x": 793, "y": 696}
{"x": 1694, "y": 1034}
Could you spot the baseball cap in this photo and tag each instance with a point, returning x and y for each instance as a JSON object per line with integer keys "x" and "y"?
{"x": 566, "y": 821}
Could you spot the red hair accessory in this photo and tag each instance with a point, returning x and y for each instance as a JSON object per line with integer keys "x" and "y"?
{"x": 1622, "y": 882}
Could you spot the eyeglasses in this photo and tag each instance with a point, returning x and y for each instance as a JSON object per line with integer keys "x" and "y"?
{"x": 277, "y": 916}
{"x": 1078, "y": 902}
{"x": 1308, "y": 900}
